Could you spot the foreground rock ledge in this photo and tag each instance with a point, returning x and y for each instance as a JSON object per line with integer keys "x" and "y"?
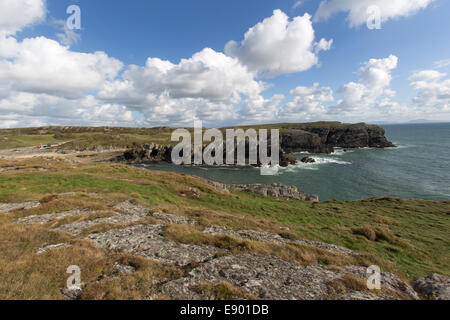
{"x": 275, "y": 190}
{"x": 268, "y": 277}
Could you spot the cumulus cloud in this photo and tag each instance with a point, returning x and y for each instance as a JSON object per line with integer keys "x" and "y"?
{"x": 307, "y": 103}
{"x": 433, "y": 90}
{"x": 279, "y": 45}
{"x": 373, "y": 85}
{"x": 442, "y": 63}
{"x": 207, "y": 74}
{"x": 207, "y": 86}
{"x": 357, "y": 9}
{"x": 17, "y": 14}
{"x": 41, "y": 65}
{"x": 66, "y": 37}
{"x": 44, "y": 82}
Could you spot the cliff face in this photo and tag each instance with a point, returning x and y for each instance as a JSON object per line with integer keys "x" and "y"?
{"x": 323, "y": 139}
{"x": 313, "y": 137}
{"x": 153, "y": 153}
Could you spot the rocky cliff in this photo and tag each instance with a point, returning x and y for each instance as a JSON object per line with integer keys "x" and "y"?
{"x": 154, "y": 153}
{"x": 324, "y": 137}
{"x": 320, "y": 137}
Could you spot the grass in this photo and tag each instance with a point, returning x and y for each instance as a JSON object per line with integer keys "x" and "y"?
{"x": 408, "y": 237}
{"x": 10, "y": 141}
{"x": 89, "y": 138}
{"x": 84, "y": 138}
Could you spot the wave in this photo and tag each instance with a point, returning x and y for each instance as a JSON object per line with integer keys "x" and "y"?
{"x": 325, "y": 160}
{"x": 402, "y": 146}
{"x": 341, "y": 151}
{"x": 312, "y": 166}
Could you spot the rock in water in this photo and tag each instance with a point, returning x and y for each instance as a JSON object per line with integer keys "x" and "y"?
{"x": 308, "y": 160}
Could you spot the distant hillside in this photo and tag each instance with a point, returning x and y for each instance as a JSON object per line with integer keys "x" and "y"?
{"x": 318, "y": 137}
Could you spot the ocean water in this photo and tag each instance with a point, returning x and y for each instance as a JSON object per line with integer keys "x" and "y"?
{"x": 419, "y": 168}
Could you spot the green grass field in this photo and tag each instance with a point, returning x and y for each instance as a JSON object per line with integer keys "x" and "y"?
{"x": 82, "y": 138}
{"x": 406, "y": 236}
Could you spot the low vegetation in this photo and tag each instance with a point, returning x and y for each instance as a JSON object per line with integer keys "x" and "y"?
{"x": 408, "y": 237}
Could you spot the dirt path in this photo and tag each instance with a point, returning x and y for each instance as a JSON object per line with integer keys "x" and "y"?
{"x": 53, "y": 153}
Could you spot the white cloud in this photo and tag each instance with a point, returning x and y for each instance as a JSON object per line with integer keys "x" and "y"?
{"x": 67, "y": 37}
{"x": 206, "y": 86}
{"x": 278, "y": 45}
{"x": 442, "y": 63}
{"x": 43, "y": 82}
{"x": 297, "y": 4}
{"x": 373, "y": 85}
{"x": 357, "y": 9}
{"x": 425, "y": 76}
{"x": 308, "y": 103}
{"x": 17, "y": 14}
{"x": 41, "y": 65}
{"x": 433, "y": 91}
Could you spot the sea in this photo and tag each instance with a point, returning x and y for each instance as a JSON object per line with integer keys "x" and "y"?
{"x": 418, "y": 168}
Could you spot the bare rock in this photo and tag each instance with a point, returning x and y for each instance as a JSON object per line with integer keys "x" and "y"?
{"x": 135, "y": 238}
{"x": 52, "y": 247}
{"x": 274, "y": 238}
{"x": 79, "y": 227}
{"x": 389, "y": 282}
{"x": 129, "y": 208}
{"x": 267, "y": 277}
{"x": 46, "y": 218}
{"x": 358, "y": 295}
{"x": 435, "y": 286}
{"x": 275, "y": 190}
{"x": 124, "y": 269}
{"x": 308, "y": 160}
{"x": 327, "y": 246}
{"x": 147, "y": 241}
{"x": 128, "y": 213}
{"x": 7, "y": 207}
{"x": 171, "y": 218}
{"x": 245, "y": 234}
{"x": 179, "y": 253}
{"x": 71, "y": 294}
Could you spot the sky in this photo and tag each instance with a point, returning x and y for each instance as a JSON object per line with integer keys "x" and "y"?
{"x": 167, "y": 63}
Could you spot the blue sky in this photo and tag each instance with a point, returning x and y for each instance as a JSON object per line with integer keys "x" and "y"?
{"x": 130, "y": 32}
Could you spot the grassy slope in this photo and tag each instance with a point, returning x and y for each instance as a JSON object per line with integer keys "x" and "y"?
{"x": 83, "y": 137}
{"x": 89, "y": 137}
{"x": 411, "y": 236}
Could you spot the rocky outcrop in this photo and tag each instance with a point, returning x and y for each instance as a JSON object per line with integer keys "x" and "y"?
{"x": 147, "y": 153}
{"x": 324, "y": 137}
{"x": 435, "y": 286}
{"x": 275, "y": 190}
{"x": 308, "y": 160}
{"x": 267, "y": 277}
{"x": 205, "y": 266}
{"x": 312, "y": 137}
{"x": 155, "y": 153}
{"x": 8, "y": 207}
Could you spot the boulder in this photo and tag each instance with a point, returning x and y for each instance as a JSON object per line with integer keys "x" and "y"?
{"x": 308, "y": 160}
{"x": 435, "y": 286}
{"x": 275, "y": 190}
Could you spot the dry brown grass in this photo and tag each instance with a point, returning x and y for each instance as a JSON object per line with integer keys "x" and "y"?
{"x": 365, "y": 231}
{"x": 142, "y": 284}
{"x": 48, "y": 198}
{"x": 207, "y": 217}
{"x": 345, "y": 284}
{"x": 303, "y": 254}
{"x": 26, "y": 275}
